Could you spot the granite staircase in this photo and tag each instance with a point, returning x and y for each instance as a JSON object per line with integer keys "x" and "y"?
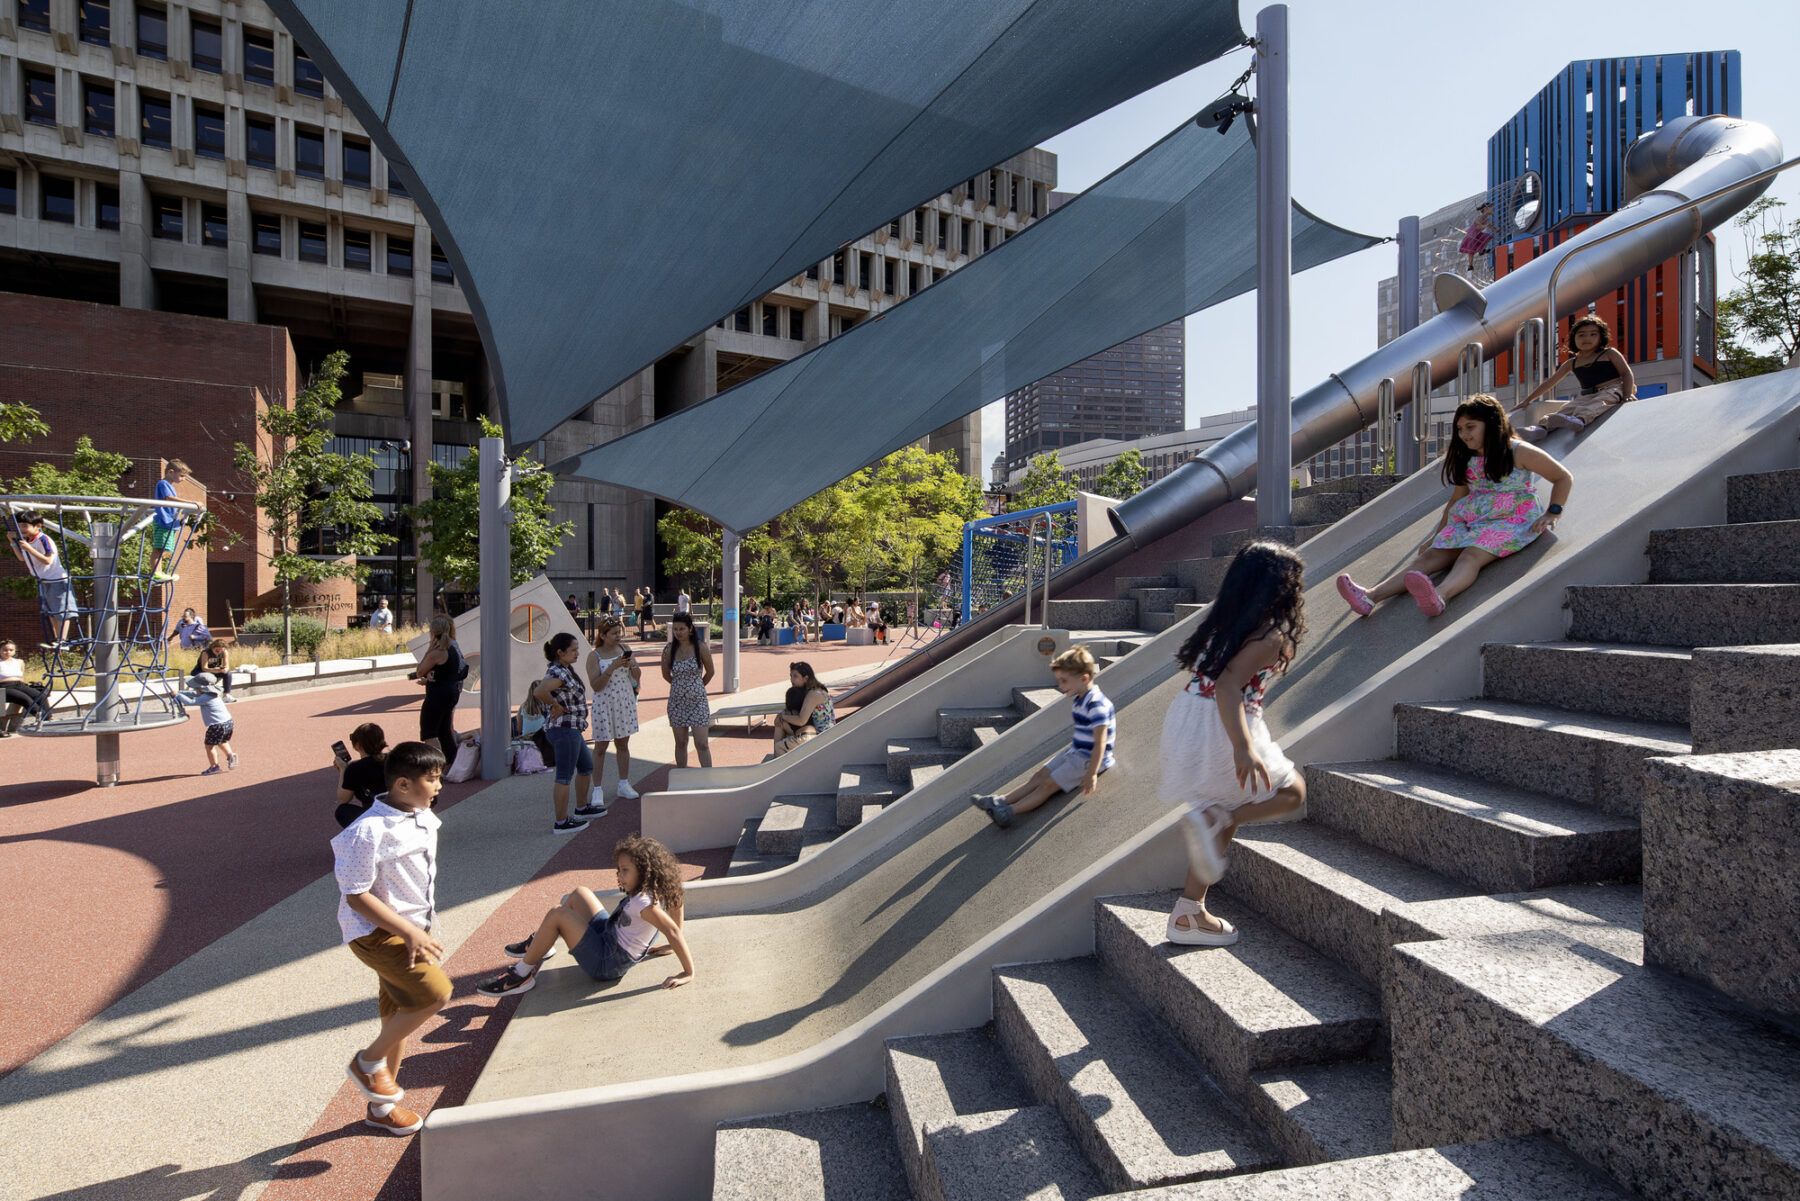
{"x": 1545, "y": 951}
{"x": 796, "y": 826}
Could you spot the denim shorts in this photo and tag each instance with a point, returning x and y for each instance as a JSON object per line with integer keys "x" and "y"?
{"x": 573, "y": 757}
{"x": 599, "y": 952}
{"x": 56, "y": 598}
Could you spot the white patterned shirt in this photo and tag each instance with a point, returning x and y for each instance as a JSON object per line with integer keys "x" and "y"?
{"x": 392, "y": 854}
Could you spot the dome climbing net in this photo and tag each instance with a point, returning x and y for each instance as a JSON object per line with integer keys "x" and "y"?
{"x": 105, "y": 569}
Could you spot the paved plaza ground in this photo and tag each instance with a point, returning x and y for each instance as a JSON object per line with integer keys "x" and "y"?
{"x": 180, "y": 1008}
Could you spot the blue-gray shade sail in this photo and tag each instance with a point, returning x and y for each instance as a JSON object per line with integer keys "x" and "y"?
{"x": 609, "y": 177}
{"x": 1168, "y": 234}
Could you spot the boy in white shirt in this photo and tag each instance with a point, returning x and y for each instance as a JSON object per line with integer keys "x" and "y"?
{"x": 387, "y": 873}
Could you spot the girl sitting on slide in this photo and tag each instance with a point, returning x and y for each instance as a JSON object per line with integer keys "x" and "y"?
{"x": 1493, "y": 513}
{"x": 1604, "y": 375}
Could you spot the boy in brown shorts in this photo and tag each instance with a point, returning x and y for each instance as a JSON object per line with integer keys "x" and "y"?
{"x": 387, "y": 872}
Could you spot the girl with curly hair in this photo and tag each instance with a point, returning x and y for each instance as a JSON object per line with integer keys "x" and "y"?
{"x": 1218, "y": 761}
{"x": 607, "y": 945}
{"x": 1492, "y": 513}
{"x": 1604, "y": 375}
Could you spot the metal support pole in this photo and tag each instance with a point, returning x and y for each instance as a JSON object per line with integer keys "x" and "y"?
{"x": 1386, "y": 433}
{"x": 1274, "y": 270}
{"x": 1407, "y": 460}
{"x": 496, "y": 608}
{"x": 1468, "y": 372}
{"x": 1030, "y": 536}
{"x": 1421, "y": 411}
{"x": 728, "y": 577}
{"x": 1525, "y": 375}
{"x": 1049, "y": 551}
{"x": 1689, "y": 302}
{"x": 105, "y": 547}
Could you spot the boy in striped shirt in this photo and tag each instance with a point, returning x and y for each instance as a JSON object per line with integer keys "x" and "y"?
{"x": 1078, "y": 765}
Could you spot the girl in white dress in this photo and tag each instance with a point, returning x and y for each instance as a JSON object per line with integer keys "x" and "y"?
{"x": 613, "y": 674}
{"x": 1218, "y": 761}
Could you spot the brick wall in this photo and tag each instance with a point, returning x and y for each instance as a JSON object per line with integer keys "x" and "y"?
{"x": 152, "y": 386}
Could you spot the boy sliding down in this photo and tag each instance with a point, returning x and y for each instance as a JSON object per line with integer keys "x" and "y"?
{"x": 1078, "y": 765}
{"x": 387, "y": 872}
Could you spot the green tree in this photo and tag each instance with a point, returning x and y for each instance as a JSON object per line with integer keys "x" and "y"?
{"x": 20, "y": 423}
{"x": 1759, "y": 321}
{"x": 693, "y": 547}
{"x": 450, "y": 522}
{"x": 928, "y": 500}
{"x": 1123, "y": 477}
{"x": 302, "y": 487}
{"x": 1042, "y": 484}
{"x": 88, "y": 472}
{"x": 770, "y": 572}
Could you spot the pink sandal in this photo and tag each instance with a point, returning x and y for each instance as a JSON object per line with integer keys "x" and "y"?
{"x": 1355, "y": 595}
{"x": 1423, "y": 593}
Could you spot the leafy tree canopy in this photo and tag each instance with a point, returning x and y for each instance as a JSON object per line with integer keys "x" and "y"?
{"x": 450, "y": 522}
{"x": 1759, "y": 321}
{"x": 1042, "y": 484}
{"x": 20, "y": 423}
{"x": 1123, "y": 477}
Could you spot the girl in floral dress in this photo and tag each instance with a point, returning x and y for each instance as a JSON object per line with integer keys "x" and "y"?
{"x": 1493, "y": 513}
{"x": 688, "y": 667}
{"x": 614, "y": 675}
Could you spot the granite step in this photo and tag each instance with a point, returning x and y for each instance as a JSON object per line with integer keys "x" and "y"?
{"x": 1685, "y": 614}
{"x": 1763, "y": 496}
{"x": 982, "y": 736}
{"x": 1030, "y": 700}
{"x": 1667, "y": 1086}
{"x": 1495, "y": 836}
{"x": 1512, "y": 1169}
{"x": 1159, "y": 621}
{"x": 1269, "y": 1001}
{"x": 1161, "y": 600}
{"x": 1365, "y": 487}
{"x": 1328, "y": 888}
{"x": 1124, "y": 585}
{"x": 1024, "y": 1154}
{"x": 934, "y": 1079}
{"x": 1091, "y": 614}
{"x": 956, "y": 727}
{"x": 823, "y": 1154}
{"x": 923, "y": 774}
{"x": 1182, "y": 611}
{"x": 859, "y": 786}
{"x": 1203, "y": 575}
{"x": 1649, "y": 683}
{"x": 1589, "y": 758}
{"x": 1325, "y": 1111}
{"x": 1140, "y": 1106}
{"x": 791, "y": 818}
{"x": 1760, "y": 552}
{"x": 746, "y": 860}
{"x": 1227, "y": 544}
{"x": 1324, "y": 508}
{"x": 906, "y": 754}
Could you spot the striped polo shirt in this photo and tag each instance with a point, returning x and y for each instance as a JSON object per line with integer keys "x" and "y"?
{"x": 1093, "y": 712}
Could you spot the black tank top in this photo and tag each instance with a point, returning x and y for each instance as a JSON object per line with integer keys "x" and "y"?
{"x": 1596, "y": 374}
{"x": 447, "y": 677}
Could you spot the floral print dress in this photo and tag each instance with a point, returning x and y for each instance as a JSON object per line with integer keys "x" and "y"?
{"x": 1496, "y": 516}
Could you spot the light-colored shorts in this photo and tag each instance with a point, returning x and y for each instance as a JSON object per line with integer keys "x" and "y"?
{"x": 1069, "y": 768}
{"x": 56, "y": 598}
{"x": 419, "y": 986}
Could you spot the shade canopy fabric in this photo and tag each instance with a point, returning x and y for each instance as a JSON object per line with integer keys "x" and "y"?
{"x": 609, "y": 177}
{"x": 1169, "y": 234}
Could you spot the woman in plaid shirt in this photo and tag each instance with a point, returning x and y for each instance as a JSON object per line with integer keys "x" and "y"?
{"x": 564, "y": 697}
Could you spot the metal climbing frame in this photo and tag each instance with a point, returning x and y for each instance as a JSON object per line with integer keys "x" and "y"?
{"x": 107, "y": 659}
{"x": 999, "y": 554}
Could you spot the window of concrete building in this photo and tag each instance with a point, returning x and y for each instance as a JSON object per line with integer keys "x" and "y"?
{"x": 357, "y": 253}
{"x": 894, "y": 227}
{"x": 309, "y": 153}
{"x": 740, "y": 320}
{"x": 209, "y": 132}
{"x": 396, "y": 185}
{"x": 313, "y": 246}
{"x": 968, "y": 228}
{"x": 34, "y": 14}
{"x": 865, "y": 273}
{"x": 96, "y": 22}
{"x": 259, "y": 142}
{"x": 987, "y": 237}
{"x": 771, "y": 321}
{"x": 797, "y": 325}
{"x": 97, "y": 107}
{"x": 308, "y": 79}
{"x": 1036, "y": 204}
{"x": 166, "y": 217}
{"x": 1012, "y": 200}
{"x": 259, "y": 56}
{"x": 837, "y": 268}
{"x": 399, "y": 256}
{"x": 152, "y": 31}
{"x": 40, "y": 98}
{"x": 937, "y": 273}
{"x": 440, "y": 267}
{"x": 209, "y": 47}
{"x": 890, "y": 282}
{"x": 921, "y": 225}
{"x": 356, "y": 163}
{"x": 106, "y": 206}
{"x": 993, "y": 190}
{"x": 912, "y": 278}
{"x": 9, "y": 190}
{"x": 265, "y": 234}
{"x": 214, "y": 230}
{"x": 57, "y": 199}
{"x": 942, "y": 232}
{"x": 155, "y": 122}
{"x": 812, "y": 271}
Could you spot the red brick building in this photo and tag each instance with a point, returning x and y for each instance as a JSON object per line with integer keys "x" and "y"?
{"x": 153, "y": 386}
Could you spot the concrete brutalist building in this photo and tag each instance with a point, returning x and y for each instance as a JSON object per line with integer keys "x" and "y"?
{"x": 191, "y": 158}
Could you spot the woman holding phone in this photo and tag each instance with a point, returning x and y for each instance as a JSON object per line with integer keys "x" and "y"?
{"x": 362, "y": 780}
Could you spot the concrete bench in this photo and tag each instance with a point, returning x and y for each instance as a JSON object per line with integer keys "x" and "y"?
{"x": 752, "y": 714}
{"x": 859, "y": 636}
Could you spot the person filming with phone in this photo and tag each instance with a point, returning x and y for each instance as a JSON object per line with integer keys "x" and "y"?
{"x": 361, "y": 779}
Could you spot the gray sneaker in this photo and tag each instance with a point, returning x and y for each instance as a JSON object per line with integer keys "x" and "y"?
{"x": 1532, "y": 433}
{"x": 986, "y": 802}
{"x": 1002, "y": 813}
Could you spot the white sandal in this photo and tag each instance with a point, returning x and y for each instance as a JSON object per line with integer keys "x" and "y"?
{"x": 1181, "y": 935}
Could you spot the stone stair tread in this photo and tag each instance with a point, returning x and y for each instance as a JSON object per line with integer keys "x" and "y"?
{"x": 1018, "y": 1154}
{"x": 1762, "y": 496}
{"x": 1635, "y": 680}
{"x": 824, "y": 1154}
{"x": 1330, "y": 1111}
{"x": 1030, "y": 700}
{"x": 1724, "y": 614}
{"x": 865, "y": 779}
{"x": 1142, "y": 1109}
{"x": 1660, "y": 738}
{"x": 956, "y": 725}
{"x": 910, "y": 754}
{"x": 1530, "y": 1168}
{"x": 924, "y": 774}
{"x": 1369, "y": 876}
{"x": 1477, "y": 799}
{"x": 1627, "y": 650}
{"x": 791, "y": 818}
{"x": 746, "y": 860}
{"x": 1272, "y": 998}
{"x": 988, "y": 735}
{"x": 1607, "y": 916}
{"x": 1750, "y": 552}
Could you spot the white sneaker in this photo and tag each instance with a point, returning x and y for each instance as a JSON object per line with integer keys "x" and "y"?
{"x": 626, "y": 792}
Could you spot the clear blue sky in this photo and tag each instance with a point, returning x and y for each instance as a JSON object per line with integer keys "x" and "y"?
{"x": 1392, "y": 104}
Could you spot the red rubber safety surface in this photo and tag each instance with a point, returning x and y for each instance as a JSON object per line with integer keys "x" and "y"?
{"x": 134, "y": 879}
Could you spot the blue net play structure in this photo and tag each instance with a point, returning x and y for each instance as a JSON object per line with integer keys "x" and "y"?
{"x": 105, "y": 569}
{"x": 1000, "y": 553}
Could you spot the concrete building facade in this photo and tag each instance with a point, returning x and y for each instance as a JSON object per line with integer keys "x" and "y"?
{"x": 191, "y": 158}
{"x": 1136, "y": 389}
{"x": 1161, "y": 453}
